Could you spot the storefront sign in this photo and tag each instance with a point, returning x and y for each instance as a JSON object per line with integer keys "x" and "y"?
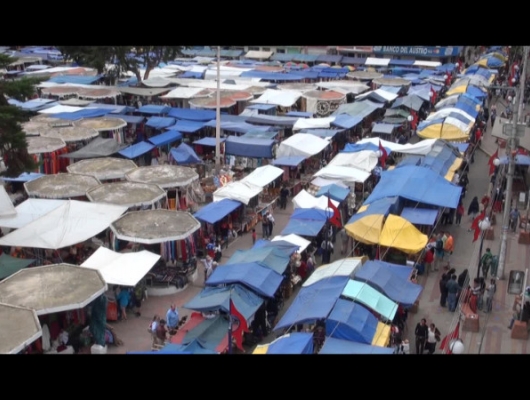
{"x": 355, "y": 49}
{"x": 418, "y": 51}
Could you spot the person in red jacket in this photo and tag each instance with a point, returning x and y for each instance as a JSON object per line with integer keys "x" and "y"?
{"x": 429, "y": 260}
{"x": 302, "y": 270}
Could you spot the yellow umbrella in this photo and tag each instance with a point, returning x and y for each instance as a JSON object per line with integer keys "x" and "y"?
{"x": 457, "y": 163}
{"x": 261, "y": 349}
{"x": 482, "y": 62}
{"x": 444, "y": 131}
{"x": 398, "y": 233}
{"x": 382, "y": 335}
{"x": 366, "y": 229}
{"x": 500, "y": 56}
{"x": 457, "y": 89}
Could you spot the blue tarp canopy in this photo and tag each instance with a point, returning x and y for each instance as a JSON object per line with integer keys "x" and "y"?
{"x": 470, "y": 109}
{"x": 160, "y": 122}
{"x": 351, "y": 321}
{"x": 401, "y": 62}
{"x": 338, "y": 346}
{"x": 334, "y": 192}
{"x": 354, "y": 60}
{"x": 355, "y": 148}
{"x": 113, "y": 108}
{"x": 300, "y": 114}
{"x": 166, "y": 138}
{"x": 313, "y": 302}
{"x": 130, "y": 119}
{"x": 208, "y": 141}
{"x": 382, "y": 278}
{"x": 409, "y": 182}
{"x": 520, "y": 159}
{"x": 154, "y": 109}
{"x": 294, "y": 343}
{"x": 262, "y": 280}
{"x": 191, "y": 75}
{"x": 23, "y": 177}
{"x": 260, "y": 135}
{"x": 272, "y": 76}
{"x": 346, "y": 121}
{"x": 382, "y": 207}
{"x": 216, "y": 211}
{"x": 185, "y": 155}
{"x": 441, "y": 160}
{"x": 305, "y": 222}
{"x": 85, "y": 113}
{"x": 194, "y": 347}
{"x": 323, "y": 133}
{"x": 284, "y": 57}
{"x": 187, "y": 126}
{"x": 307, "y": 74}
{"x": 274, "y": 258}
{"x": 450, "y": 67}
{"x": 420, "y": 216}
{"x": 244, "y": 147}
{"x": 288, "y": 161}
{"x": 136, "y": 150}
{"x": 262, "y": 107}
{"x": 218, "y": 298}
{"x": 462, "y": 147}
{"x": 305, "y": 58}
{"x": 37, "y": 104}
{"x": 329, "y": 74}
{"x": 239, "y": 127}
{"x": 280, "y": 244}
{"x": 75, "y": 79}
{"x": 329, "y": 58}
{"x": 191, "y": 114}
{"x": 391, "y": 89}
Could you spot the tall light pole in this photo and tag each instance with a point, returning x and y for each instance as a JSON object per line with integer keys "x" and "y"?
{"x": 511, "y": 149}
{"x": 218, "y": 115}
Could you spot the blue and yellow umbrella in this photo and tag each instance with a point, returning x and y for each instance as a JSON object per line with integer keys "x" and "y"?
{"x": 490, "y": 62}
{"x": 449, "y": 128}
{"x": 464, "y": 86}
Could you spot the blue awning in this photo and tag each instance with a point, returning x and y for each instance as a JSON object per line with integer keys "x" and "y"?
{"x": 191, "y": 114}
{"x": 339, "y": 346}
{"x": 335, "y": 192}
{"x": 351, "y": 321}
{"x": 85, "y": 113}
{"x": 274, "y": 258}
{"x": 166, "y": 138}
{"x": 136, "y": 150}
{"x": 37, "y": 104}
{"x": 130, "y": 119}
{"x": 239, "y": 127}
{"x": 462, "y": 147}
{"x": 284, "y": 57}
{"x": 329, "y": 59}
{"x": 305, "y": 58}
{"x": 191, "y": 75}
{"x": 346, "y": 121}
{"x": 401, "y": 62}
{"x": 294, "y": 343}
{"x": 303, "y": 227}
{"x": 23, "y": 177}
{"x": 281, "y": 244}
{"x": 185, "y": 155}
{"x": 262, "y": 107}
{"x": 261, "y": 280}
{"x": 313, "y": 302}
{"x": 113, "y": 108}
{"x": 353, "y": 60}
{"x": 388, "y": 280}
{"x": 301, "y": 114}
{"x": 187, "y": 126}
{"x": 216, "y": 211}
{"x": 329, "y": 74}
{"x": 208, "y": 141}
{"x": 218, "y": 298}
{"x": 154, "y": 109}
{"x": 160, "y": 122}
{"x": 272, "y": 76}
{"x": 323, "y": 133}
{"x": 75, "y": 79}
{"x": 354, "y": 148}
{"x": 288, "y": 161}
{"x": 420, "y": 216}
{"x": 260, "y": 135}
{"x": 245, "y": 147}
{"x": 381, "y": 207}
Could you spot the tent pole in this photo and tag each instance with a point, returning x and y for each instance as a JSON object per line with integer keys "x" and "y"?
{"x": 218, "y": 115}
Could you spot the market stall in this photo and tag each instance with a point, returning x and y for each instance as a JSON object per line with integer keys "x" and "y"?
{"x": 103, "y": 169}
{"x": 132, "y": 195}
{"x": 293, "y": 343}
{"x": 291, "y": 172}
{"x": 61, "y": 186}
{"x": 46, "y": 152}
{"x": 22, "y": 330}
{"x": 97, "y": 148}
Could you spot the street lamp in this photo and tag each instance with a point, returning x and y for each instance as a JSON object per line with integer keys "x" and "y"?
{"x": 410, "y": 118}
{"x": 496, "y": 162}
{"x": 456, "y": 346}
{"x": 379, "y": 153}
{"x": 483, "y": 225}
{"x": 445, "y": 77}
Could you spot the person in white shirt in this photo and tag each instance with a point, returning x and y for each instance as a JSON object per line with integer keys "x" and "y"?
{"x": 271, "y": 223}
{"x": 432, "y": 337}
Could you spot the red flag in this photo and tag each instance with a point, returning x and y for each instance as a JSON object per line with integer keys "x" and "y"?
{"x": 490, "y": 161}
{"x": 433, "y": 95}
{"x": 414, "y": 122}
{"x": 453, "y": 335}
{"x": 335, "y": 219}
{"x": 475, "y": 224}
{"x": 239, "y": 325}
{"x": 384, "y": 154}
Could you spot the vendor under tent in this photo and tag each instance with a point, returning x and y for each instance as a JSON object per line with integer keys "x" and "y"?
{"x": 125, "y": 269}
{"x": 343, "y": 267}
{"x": 68, "y": 224}
{"x": 238, "y": 191}
{"x": 211, "y": 334}
{"x": 293, "y": 343}
{"x": 249, "y": 147}
{"x": 22, "y": 330}
{"x": 97, "y": 148}
{"x": 305, "y": 200}
{"x": 184, "y": 154}
{"x": 52, "y": 288}
{"x": 339, "y": 346}
{"x": 409, "y": 182}
{"x": 306, "y": 222}
{"x": 274, "y": 258}
{"x": 301, "y": 144}
{"x": 215, "y": 212}
{"x": 103, "y": 168}
{"x": 334, "y": 192}
{"x": 165, "y": 139}
{"x": 295, "y": 240}
{"x": 7, "y": 208}
{"x": 23, "y": 177}
{"x": 263, "y": 176}
{"x": 383, "y": 278}
{"x": 61, "y": 186}
{"x": 129, "y": 194}
{"x": 28, "y": 211}
{"x": 371, "y": 298}
{"x": 212, "y": 299}
{"x": 313, "y": 302}
{"x": 154, "y": 226}
{"x": 262, "y": 280}
{"x": 365, "y": 160}
{"x": 9, "y": 265}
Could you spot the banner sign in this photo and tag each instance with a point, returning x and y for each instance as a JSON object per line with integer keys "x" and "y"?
{"x": 418, "y": 51}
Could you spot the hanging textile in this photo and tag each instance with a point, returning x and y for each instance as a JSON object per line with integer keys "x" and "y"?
{"x": 172, "y": 204}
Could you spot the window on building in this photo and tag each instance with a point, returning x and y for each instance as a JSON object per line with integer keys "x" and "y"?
{"x": 253, "y": 49}
{"x": 265, "y": 49}
{"x": 281, "y": 51}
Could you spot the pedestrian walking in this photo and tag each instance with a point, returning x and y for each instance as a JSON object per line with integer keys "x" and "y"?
{"x": 421, "y": 332}
{"x": 485, "y": 262}
{"x": 452, "y": 291}
{"x": 283, "y": 197}
{"x": 490, "y": 292}
{"x": 327, "y": 250}
{"x": 438, "y": 252}
{"x": 433, "y": 337}
{"x": 459, "y": 213}
{"x": 265, "y": 226}
{"x": 271, "y": 220}
{"x": 428, "y": 260}
{"x": 473, "y": 209}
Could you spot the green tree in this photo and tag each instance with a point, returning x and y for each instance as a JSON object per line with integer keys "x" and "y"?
{"x": 125, "y": 58}
{"x": 13, "y": 143}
